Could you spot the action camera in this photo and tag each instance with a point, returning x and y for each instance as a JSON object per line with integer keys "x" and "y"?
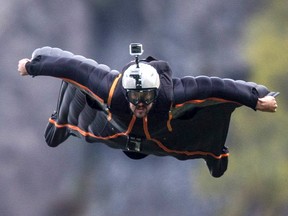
{"x": 136, "y": 49}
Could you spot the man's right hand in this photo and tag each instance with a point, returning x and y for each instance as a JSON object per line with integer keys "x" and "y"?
{"x": 21, "y": 66}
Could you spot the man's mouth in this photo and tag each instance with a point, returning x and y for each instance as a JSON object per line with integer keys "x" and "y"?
{"x": 140, "y": 107}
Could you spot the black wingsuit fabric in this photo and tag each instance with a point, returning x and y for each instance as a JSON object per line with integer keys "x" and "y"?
{"x": 190, "y": 118}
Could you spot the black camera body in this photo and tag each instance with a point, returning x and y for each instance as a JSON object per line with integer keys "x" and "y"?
{"x": 136, "y": 49}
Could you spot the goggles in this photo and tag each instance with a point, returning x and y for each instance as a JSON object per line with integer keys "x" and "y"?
{"x": 146, "y": 96}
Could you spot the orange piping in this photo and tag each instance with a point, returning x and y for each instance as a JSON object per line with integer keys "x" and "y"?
{"x": 85, "y": 133}
{"x": 112, "y": 89}
{"x": 187, "y": 152}
{"x": 147, "y": 134}
{"x": 145, "y": 127}
{"x": 202, "y": 101}
{"x": 164, "y": 148}
{"x": 110, "y": 96}
{"x": 85, "y": 88}
{"x": 169, "y": 122}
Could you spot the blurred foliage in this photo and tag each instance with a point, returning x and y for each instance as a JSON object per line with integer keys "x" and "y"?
{"x": 268, "y": 45}
{"x": 257, "y": 177}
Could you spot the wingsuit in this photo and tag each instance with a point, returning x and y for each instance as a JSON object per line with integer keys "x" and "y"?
{"x": 189, "y": 119}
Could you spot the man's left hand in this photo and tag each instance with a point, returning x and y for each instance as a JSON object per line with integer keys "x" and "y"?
{"x": 267, "y": 104}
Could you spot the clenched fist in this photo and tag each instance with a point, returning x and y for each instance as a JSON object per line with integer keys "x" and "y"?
{"x": 21, "y": 66}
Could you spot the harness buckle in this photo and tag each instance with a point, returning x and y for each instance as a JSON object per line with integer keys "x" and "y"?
{"x": 134, "y": 144}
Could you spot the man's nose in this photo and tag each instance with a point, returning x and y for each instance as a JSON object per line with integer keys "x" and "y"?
{"x": 140, "y": 103}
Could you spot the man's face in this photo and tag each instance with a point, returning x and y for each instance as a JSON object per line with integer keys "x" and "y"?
{"x": 140, "y": 110}
{"x": 141, "y": 101}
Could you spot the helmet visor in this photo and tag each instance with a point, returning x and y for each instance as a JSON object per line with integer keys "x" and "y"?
{"x": 141, "y": 96}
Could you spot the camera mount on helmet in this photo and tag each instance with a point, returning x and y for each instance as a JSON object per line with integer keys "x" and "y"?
{"x": 136, "y": 49}
{"x": 140, "y": 75}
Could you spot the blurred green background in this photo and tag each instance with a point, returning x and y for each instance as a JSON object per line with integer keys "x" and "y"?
{"x": 239, "y": 39}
